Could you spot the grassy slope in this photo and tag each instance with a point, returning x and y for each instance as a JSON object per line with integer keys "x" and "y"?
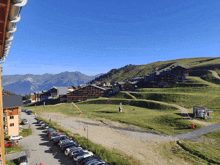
{"x": 129, "y": 71}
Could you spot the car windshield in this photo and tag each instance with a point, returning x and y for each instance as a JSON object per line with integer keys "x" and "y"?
{"x": 23, "y": 159}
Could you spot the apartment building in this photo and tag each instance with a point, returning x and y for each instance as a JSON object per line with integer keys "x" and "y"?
{"x": 12, "y": 114}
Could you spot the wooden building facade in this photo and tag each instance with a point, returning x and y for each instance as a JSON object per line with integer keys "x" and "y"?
{"x": 86, "y": 92}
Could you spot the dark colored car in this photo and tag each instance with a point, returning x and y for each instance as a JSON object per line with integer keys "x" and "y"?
{"x": 89, "y": 159}
{"x": 29, "y": 112}
{"x": 67, "y": 145}
{"x": 75, "y": 152}
{"x": 77, "y": 158}
{"x": 23, "y": 110}
{"x": 54, "y": 135}
{"x": 23, "y": 160}
{"x": 64, "y": 141}
{"x": 49, "y": 131}
{"x": 58, "y": 138}
{"x": 39, "y": 121}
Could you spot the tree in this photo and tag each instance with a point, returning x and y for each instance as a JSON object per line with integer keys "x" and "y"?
{"x": 27, "y": 96}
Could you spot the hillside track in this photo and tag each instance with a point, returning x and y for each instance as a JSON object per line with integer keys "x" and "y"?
{"x": 215, "y": 74}
{"x": 113, "y": 135}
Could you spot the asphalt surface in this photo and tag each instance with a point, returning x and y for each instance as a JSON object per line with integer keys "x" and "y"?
{"x": 38, "y": 148}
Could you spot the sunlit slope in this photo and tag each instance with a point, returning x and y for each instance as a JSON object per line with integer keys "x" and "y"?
{"x": 198, "y": 66}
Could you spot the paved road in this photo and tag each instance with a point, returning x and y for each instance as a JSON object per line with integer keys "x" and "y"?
{"x": 38, "y": 148}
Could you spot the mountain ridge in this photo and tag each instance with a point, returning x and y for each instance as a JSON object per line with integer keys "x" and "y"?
{"x": 29, "y": 83}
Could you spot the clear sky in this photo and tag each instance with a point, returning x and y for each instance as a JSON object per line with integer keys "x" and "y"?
{"x": 95, "y": 36}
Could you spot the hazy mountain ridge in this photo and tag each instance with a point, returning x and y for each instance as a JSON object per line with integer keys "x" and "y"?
{"x": 29, "y": 83}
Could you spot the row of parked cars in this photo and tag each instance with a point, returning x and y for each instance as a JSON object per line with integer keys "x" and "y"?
{"x": 27, "y": 111}
{"x": 71, "y": 149}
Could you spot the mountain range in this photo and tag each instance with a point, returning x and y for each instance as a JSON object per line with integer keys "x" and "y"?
{"x": 29, "y": 83}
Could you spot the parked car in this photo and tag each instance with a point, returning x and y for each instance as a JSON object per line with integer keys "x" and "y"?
{"x": 46, "y": 126}
{"x": 92, "y": 160}
{"x": 70, "y": 149}
{"x": 38, "y": 121}
{"x": 75, "y": 152}
{"x": 23, "y": 110}
{"x": 23, "y": 160}
{"x": 30, "y": 113}
{"x": 42, "y": 123}
{"x": 80, "y": 157}
{"x": 55, "y": 132}
{"x": 70, "y": 144}
{"x": 64, "y": 141}
{"x": 16, "y": 137}
{"x": 58, "y": 138}
{"x": 10, "y": 143}
{"x": 53, "y": 136}
{"x": 49, "y": 131}
{"x": 25, "y": 121}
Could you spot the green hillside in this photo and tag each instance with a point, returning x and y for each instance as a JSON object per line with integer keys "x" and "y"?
{"x": 199, "y": 67}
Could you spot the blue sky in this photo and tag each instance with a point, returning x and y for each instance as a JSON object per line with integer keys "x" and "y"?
{"x": 95, "y": 36}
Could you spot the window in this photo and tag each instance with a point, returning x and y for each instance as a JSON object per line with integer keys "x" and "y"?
{"x": 11, "y": 117}
{"x": 11, "y": 124}
{"x": 11, "y": 110}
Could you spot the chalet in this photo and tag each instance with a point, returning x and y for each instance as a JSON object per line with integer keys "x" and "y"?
{"x": 180, "y": 73}
{"x": 38, "y": 95}
{"x": 86, "y": 92}
{"x": 70, "y": 89}
{"x": 177, "y": 73}
{"x": 45, "y": 95}
{"x": 127, "y": 85}
{"x": 12, "y": 114}
{"x": 56, "y": 91}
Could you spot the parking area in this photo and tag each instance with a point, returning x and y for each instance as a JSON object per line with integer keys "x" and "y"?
{"x": 37, "y": 146}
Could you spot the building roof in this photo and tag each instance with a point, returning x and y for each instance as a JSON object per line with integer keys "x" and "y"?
{"x": 62, "y": 90}
{"x": 179, "y": 66}
{"x": 10, "y": 101}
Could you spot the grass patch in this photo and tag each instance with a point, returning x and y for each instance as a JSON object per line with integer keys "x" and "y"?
{"x": 145, "y": 118}
{"x": 103, "y": 153}
{"x": 13, "y": 149}
{"x": 12, "y": 162}
{"x": 25, "y": 132}
{"x": 171, "y": 150}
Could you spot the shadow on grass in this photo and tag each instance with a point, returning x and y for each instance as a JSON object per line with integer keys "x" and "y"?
{"x": 13, "y": 162}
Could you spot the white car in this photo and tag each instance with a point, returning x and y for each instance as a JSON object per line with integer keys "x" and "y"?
{"x": 16, "y": 137}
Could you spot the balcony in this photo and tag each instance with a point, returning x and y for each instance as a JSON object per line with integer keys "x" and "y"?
{"x": 5, "y": 123}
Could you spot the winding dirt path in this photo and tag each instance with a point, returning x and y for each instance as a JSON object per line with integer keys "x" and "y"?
{"x": 215, "y": 74}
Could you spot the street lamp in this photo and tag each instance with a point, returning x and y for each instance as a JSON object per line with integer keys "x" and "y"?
{"x": 86, "y": 126}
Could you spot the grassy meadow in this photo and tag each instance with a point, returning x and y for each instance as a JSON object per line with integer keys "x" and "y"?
{"x": 151, "y": 117}
{"x": 204, "y": 149}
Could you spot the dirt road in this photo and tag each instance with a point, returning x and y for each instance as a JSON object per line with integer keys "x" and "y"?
{"x": 113, "y": 135}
